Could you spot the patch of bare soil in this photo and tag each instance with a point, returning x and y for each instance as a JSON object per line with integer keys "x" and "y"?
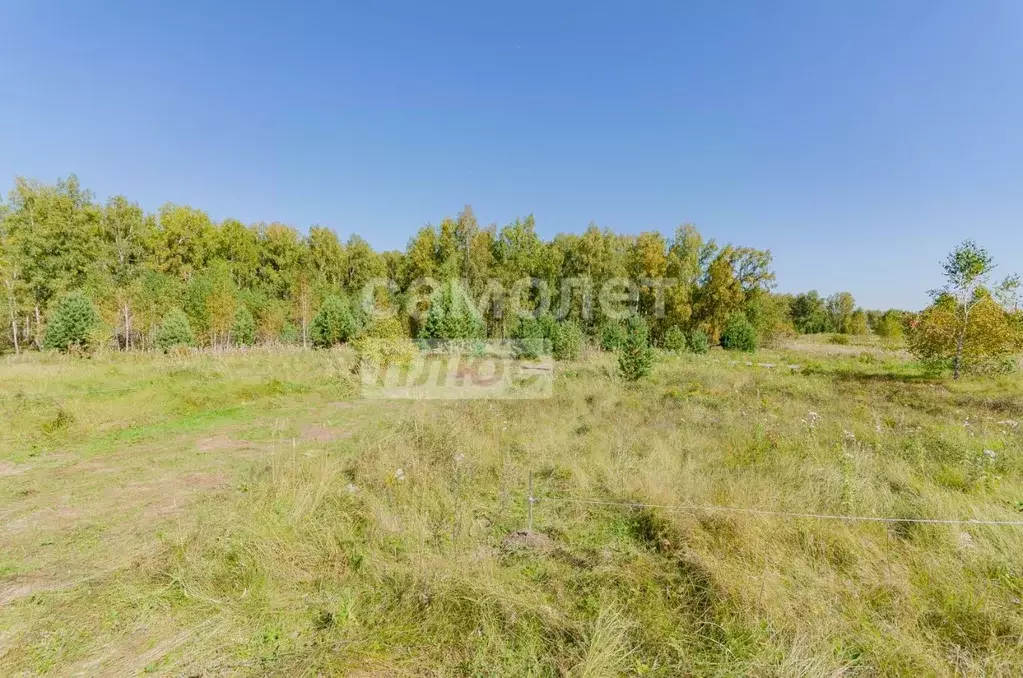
{"x": 319, "y": 433}
{"x": 522, "y": 541}
{"x": 9, "y": 469}
{"x": 217, "y": 443}
{"x": 46, "y": 519}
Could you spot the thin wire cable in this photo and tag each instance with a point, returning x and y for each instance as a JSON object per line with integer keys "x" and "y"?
{"x": 782, "y": 514}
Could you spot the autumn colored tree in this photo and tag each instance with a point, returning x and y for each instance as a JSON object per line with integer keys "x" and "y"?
{"x": 966, "y": 325}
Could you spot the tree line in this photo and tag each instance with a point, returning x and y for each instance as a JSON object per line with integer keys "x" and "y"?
{"x": 218, "y": 284}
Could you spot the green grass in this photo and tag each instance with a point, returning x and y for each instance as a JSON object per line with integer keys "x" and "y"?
{"x": 242, "y": 514}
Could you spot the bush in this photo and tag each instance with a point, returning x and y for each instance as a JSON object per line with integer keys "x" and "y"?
{"x": 612, "y": 335}
{"x": 530, "y": 342}
{"x": 699, "y": 342}
{"x": 674, "y": 340}
{"x": 567, "y": 341}
{"x": 451, "y": 316}
{"x": 385, "y": 342}
{"x": 175, "y": 330}
{"x": 244, "y": 329}
{"x": 739, "y": 334}
{"x": 290, "y": 334}
{"x": 635, "y": 356}
{"x": 839, "y": 339}
{"x": 333, "y": 324}
{"x": 71, "y": 323}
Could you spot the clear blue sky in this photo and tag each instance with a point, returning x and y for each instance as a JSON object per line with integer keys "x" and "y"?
{"x": 859, "y": 140}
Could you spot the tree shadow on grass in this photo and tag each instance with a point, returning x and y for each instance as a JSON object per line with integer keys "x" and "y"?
{"x": 886, "y": 378}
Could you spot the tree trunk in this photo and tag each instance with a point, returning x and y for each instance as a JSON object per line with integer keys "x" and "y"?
{"x": 957, "y": 362}
{"x": 38, "y": 325}
{"x": 14, "y": 316}
{"x": 127, "y": 329}
{"x": 14, "y": 332}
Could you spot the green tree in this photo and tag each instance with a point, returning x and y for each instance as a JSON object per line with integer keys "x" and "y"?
{"x": 674, "y": 339}
{"x": 175, "y": 330}
{"x": 10, "y": 273}
{"x": 333, "y": 323}
{"x": 567, "y": 340}
{"x": 56, "y": 238}
{"x": 612, "y": 335}
{"x": 687, "y": 255}
{"x": 810, "y": 313}
{"x": 451, "y": 315}
{"x": 72, "y": 322}
{"x": 183, "y": 242}
{"x": 281, "y": 254}
{"x": 722, "y": 293}
{"x": 635, "y": 357}
{"x": 739, "y": 334}
{"x": 952, "y": 326}
{"x": 243, "y": 331}
{"x": 327, "y": 256}
{"x": 889, "y": 326}
{"x": 991, "y": 336}
{"x": 240, "y": 246}
{"x": 699, "y": 342}
{"x": 126, "y": 233}
{"x": 530, "y": 339}
{"x": 841, "y": 307}
{"x": 858, "y": 322}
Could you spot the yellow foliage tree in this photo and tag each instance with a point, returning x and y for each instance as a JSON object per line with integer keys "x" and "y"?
{"x": 989, "y": 338}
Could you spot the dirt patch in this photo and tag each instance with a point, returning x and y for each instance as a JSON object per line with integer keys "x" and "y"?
{"x": 9, "y": 469}
{"x": 24, "y": 587}
{"x": 318, "y": 433}
{"x": 217, "y": 443}
{"x": 523, "y": 541}
{"x": 42, "y": 520}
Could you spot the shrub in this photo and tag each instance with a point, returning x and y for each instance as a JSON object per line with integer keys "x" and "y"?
{"x": 71, "y": 323}
{"x": 567, "y": 341}
{"x": 635, "y": 356}
{"x": 384, "y": 342}
{"x": 333, "y": 324}
{"x": 890, "y": 325}
{"x": 674, "y": 340}
{"x": 175, "y": 330}
{"x": 612, "y": 335}
{"x": 739, "y": 334}
{"x": 839, "y": 339}
{"x": 451, "y": 316}
{"x": 699, "y": 342}
{"x": 244, "y": 329}
{"x": 290, "y": 334}
{"x": 530, "y": 342}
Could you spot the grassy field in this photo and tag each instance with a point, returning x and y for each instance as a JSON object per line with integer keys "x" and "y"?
{"x": 247, "y": 514}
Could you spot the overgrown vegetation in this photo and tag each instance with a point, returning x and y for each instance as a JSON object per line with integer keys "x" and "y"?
{"x": 245, "y": 513}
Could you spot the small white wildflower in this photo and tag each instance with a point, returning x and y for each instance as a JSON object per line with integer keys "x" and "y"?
{"x": 990, "y": 454}
{"x": 848, "y": 435}
{"x": 459, "y": 458}
{"x": 399, "y": 475}
{"x": 352, "y": 489}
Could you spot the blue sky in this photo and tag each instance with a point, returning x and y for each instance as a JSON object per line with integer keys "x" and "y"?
{"x": 859, "y": 140}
